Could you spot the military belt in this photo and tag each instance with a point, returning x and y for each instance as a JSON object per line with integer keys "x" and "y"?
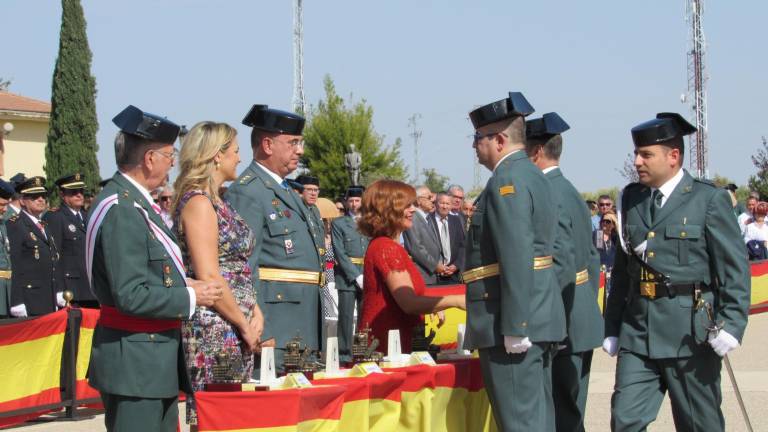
{"x": 582, "y": 277}
{"x": 477, "y": 273}
{"x": 5, "y": 274}
{"x": 286, "y": 275}
{"x": 358, "y": 261}
{"x": 653, "y": 290}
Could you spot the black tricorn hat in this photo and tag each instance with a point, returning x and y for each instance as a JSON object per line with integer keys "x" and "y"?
{"x": 32, "y": 185}
{"x": 6, "y": 190}
{"x": 664, "y": 128}
{"x": 17, "y": 179}
{"x": 548, "y": 125}
{"x": 731, "y": 187}
{"x": 72, "y": 181}
{"x": 294, "y": 184}
{"x": 271, "y": 120}
{"x": 514, "y": 105}
{"x": 308, "y": 180}
{"x": 152, "y": 127}
{"x": 355, "y": 191}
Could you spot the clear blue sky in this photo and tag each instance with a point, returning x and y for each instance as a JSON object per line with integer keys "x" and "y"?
{"x": 605, "y": 66}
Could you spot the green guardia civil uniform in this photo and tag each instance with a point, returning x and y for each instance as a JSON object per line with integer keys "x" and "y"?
{"x": 349, "y": 247}
{"x": 286, "y": 258}
{"x": 577, "y": 266}
{"x": 5, "y": 272}
{"x": 512, "y": 290}
{"x": 693, "y": 249}
{"x": 137, "y": 372}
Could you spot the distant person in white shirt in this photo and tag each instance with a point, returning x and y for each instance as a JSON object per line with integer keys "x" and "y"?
{"x": 747, "y": 217}
{"x": 757, "y": 229}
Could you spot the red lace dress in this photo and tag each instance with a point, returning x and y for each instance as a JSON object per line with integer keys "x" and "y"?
{"x": 380, "y": 310}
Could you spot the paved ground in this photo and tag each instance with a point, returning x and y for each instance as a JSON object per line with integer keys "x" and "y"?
{"x": 750, "y": 363}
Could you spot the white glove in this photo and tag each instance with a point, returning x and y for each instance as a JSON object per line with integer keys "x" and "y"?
{"x": 611, "y": 345}
{"x": 359, "y": 281}
{"x": 516, "y": 344}
{"x": 19, "y": 311}
{"x": 723, "y": 343}
{"x": 60, "y": 299}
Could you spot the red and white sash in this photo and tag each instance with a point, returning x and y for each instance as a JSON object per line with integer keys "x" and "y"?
{"x": 94, "y": 223}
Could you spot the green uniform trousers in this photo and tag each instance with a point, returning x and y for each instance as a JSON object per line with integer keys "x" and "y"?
{"x": 694, "y": 391}
{"x": 570, "y": 385}
{"x": 348, "y": 300}
{"x": 519, "y": 387}
{"x": 128, "y": 413}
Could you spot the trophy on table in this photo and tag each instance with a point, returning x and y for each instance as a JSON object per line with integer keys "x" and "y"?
{"x": 300, "y": 358}
{"x": 420, "y": 341}
{"x": 364, "y": 347}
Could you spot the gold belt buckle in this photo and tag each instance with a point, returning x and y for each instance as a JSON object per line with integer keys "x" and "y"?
{"x": 648, "y": 289}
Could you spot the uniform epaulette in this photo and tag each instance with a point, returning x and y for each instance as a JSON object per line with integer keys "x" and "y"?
{"x": 245, "y": 178}
{"x": 633, "y": 185}
{"x": 13, "y": 218}
{"x": 705, "y": 181}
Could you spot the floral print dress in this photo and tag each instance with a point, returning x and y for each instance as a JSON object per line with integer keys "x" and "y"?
{"x": 208, "y": 333}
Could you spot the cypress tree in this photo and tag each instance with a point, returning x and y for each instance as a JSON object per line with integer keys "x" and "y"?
{"x": 72, "y": 131}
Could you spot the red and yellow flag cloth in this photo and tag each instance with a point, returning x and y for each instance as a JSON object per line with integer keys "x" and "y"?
{"x": 312, "y": 409}
{"x": 759, "y": 301}
{"x": 82, "y": 389}
{"x": 371, "y": 403}
{"x": 30, "y": 365}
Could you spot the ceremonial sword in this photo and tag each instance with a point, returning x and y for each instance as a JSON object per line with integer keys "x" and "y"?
{"x": 714, "y": 327}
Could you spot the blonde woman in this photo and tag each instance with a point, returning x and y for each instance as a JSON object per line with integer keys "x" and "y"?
{"x": 216, "y": 243}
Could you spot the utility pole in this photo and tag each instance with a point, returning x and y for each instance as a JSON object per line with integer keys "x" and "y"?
{"x": 416, "y": 135}
{"x": 299, "y": 103}
{"x": 697, "y": 88}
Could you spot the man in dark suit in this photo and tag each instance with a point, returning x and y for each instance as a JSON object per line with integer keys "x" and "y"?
{"x": 6, "y": 193}
{"x": 422, "y": 242}
{"x": 450, "y": 232}
{"x": 577, "y": 267}
{"x": 67, "y": 226}
{"x": 33, "y": 255}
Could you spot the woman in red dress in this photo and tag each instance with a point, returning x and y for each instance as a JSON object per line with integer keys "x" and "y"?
{"x": 392, "y": 286}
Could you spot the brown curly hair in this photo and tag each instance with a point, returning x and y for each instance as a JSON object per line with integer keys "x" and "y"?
{"x": 383, "y": 207}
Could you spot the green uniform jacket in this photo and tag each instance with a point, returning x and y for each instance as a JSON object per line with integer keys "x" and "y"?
{"x": 283, "y": 240}
{"x": 130, "y": 268}
{"x": 694, "y": 238}
{"x": 574, "y": 252}
{"x": 347, "y": 243}
{"x": 5, "y": 264}
{"x": 514, "y": 222}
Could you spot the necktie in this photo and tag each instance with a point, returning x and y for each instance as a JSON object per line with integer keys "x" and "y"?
{"x": 656, "y": 197}
{"x": 445, "y": 240}
{"x": 156, "y": 208}
{"x": 284, "y": 184}
{"x": 42, "y": 229}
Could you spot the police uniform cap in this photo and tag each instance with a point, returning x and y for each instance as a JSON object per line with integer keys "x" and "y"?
{"x": 355, "y": 191}
{"x": 272, "y": 120}
{"x": 17, "y": 179}
{"x": 308, "y": 180}
{"x": 663, "y": 129}
{"x": 72, "y": 181}
{"x": 33, "y": 185}
{"x": 513, "y": 106}
{"x": 134, "y": 121}
{"x": 548, "y": 125}
{"x": 6, "y": 190}
{"x": 294, "y": 184}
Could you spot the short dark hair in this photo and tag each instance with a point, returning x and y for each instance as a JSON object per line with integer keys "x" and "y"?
{"x": 552, "y": 146}
{"x": 130, "y": 149}
{"x": 604, "y": 197}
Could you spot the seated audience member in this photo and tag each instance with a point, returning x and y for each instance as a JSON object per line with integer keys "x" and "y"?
{"x": 392, "y": 286}
{"x": 756, "y": 233}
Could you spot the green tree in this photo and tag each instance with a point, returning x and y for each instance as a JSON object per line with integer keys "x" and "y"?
{"x": 72, "y": 133}
{"x": 434, "y": 181}
{"x": 332, "y": 128}
{"x": 628, "y": 170}
{"x": 759, "y": 181}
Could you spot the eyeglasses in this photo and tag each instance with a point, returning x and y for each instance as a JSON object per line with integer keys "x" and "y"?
{"x": 164, "y": 198}
{"x": 35, "y": 196}
{"x": 72, "y": 192}
{"x": 605, "y": 204}
{"x": 606, "y": 221}
{"x": 478, "y": 136}
{"x": 458, "y": 196}
{"x": 171, "y": 155}
{"x": 311, "y": 189}
{"x": 296, "y": 143}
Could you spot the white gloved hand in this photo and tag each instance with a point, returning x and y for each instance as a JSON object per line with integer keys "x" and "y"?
{"x": 516, "y": 344}
{"x": 60, "y": 299}
{"x": 723, "y": 343}
{"x": 19, "y": 311}
{"x": 359, "y": 281}
{"x": 611, "y": 345}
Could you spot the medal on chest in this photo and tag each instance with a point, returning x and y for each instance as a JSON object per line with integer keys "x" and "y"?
{"x": 289, "y": 247}
{"x": 167, "y": 275}
{"x": 37, "y": 253}
{"x": 71, "y": 228}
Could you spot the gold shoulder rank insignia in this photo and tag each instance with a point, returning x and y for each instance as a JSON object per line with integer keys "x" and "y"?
{"x": 244, "y": 179}
{"x": 507, "y": 190}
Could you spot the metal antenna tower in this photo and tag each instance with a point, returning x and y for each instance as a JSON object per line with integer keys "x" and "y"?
{"x": 416, "y": 135}
{"x": 299, "y": 103}
{"x": 697, "y": 87}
